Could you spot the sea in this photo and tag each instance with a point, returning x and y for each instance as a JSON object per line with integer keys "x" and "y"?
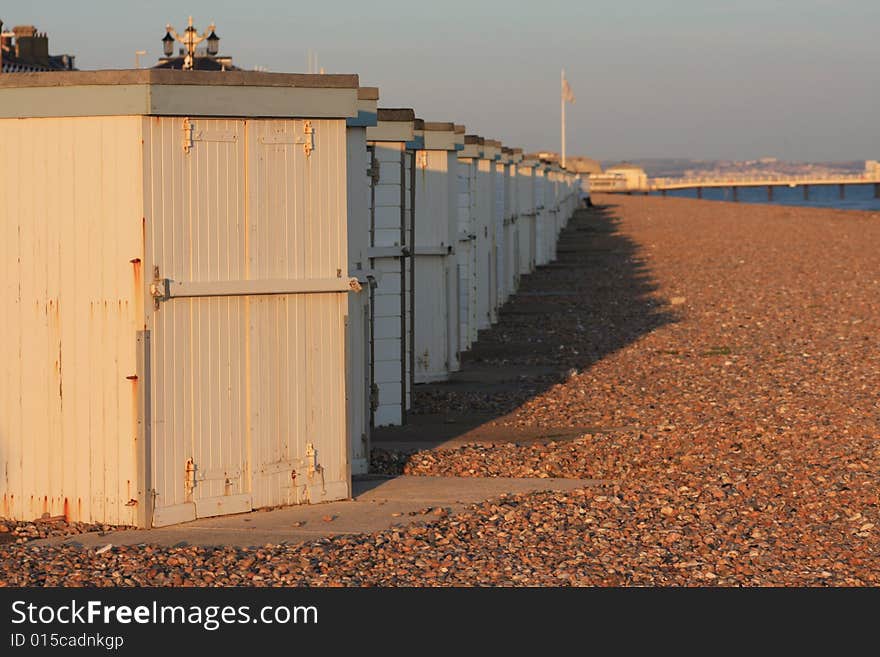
{"x": 856, "y": 197}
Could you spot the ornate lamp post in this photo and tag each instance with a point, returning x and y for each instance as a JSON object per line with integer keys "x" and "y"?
{"x": 190, "y": 40}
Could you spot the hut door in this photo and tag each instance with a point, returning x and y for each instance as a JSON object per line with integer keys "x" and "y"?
{"x": 199, "y": 343}
{"x": 248, "y": 344}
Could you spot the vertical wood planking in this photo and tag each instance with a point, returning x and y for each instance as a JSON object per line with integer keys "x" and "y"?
{"x": 67, "y": 418}
{"x": 387, "y": 343}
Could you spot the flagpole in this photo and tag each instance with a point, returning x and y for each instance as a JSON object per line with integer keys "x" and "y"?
{"x": 562, "y": 104}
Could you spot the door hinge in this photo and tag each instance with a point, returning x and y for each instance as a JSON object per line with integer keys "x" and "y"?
{"x": 423, "y": 159}
{"x": 306, "y": 140}
{"x": 188, "y": 128}
{"x": 158, "y": 288}
{"x": 309, "y": 134}
{"x": 311, "y": 459}
{"x": 374, "y": 172}
{"x": 374, "y": 397}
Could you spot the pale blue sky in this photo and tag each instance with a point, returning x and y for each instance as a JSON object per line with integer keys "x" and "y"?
{"x": 662, "y": 78}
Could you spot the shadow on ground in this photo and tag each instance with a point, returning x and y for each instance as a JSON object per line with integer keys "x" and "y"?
{"x": 596, "y": 298}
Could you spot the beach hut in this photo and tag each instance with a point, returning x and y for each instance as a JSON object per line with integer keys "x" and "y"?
{"x": 484, "y": 244}
{"x": 563, "y": 213}
{"x": 511, "y": 226}
{"x": 553, "y": 209}
{"x": 468, "y": 158}
{"x": 556, "y": 209}
{"x": 567, "y": 185}
{"x": 526, "y": 221}
{"x": 359, "y": 362}
{"x": 502, "y": 182}
{"x": 392, "y": 144}
{"x": 176, "y": 287}
{"x": 436, "y": 298}
{"x": 580, "y": 190}
{"x": 542, "y": 213}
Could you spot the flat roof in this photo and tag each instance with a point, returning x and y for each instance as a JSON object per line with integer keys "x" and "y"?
{"x": 166, "y": 92}
{"x": 442, "y": 136}
{"x": 434, "y": 126}
{"x": 157, "y": 76}
{"x": 396, "y": 124}
{"x": 396, "y": 114}
{"x": 368, "y": 93}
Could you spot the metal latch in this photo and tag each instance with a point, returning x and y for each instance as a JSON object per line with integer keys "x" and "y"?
{"x": 313, "y": 468}
{"x": 158, "y": 288}
{"x": 374, "y": 397}
{"x": 307, "y": 140}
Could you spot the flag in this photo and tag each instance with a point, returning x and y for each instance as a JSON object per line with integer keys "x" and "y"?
{"x": 567, "y": 93}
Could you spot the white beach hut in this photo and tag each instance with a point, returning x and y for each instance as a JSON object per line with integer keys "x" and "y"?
{"x": 542, "y": 213}
{"x": 359, "y": 362}
{"x": 175, "y": 272}
{"x": 468, "y": 158}
{"x": 436, "y": 299}
{"x": 484, "y": 244}
{"x": 526, "y": 221}
{"x": 511, "y": 225}
{"x": 392, "y": 143}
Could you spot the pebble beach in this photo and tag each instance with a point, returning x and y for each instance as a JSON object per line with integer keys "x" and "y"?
{"x": 726, "y": 360}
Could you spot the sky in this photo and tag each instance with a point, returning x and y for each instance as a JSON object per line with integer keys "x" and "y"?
{"x": 703, "y": 79}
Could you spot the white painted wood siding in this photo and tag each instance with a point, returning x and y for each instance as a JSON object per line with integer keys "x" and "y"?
{"x": 71, "y": 256}
{"x": 359, "y": 334}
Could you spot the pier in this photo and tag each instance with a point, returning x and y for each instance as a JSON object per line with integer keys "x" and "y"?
{"x": 664, "y": 185}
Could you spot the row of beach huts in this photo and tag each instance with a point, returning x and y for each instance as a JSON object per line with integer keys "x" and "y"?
{"x": 216, "y": 285}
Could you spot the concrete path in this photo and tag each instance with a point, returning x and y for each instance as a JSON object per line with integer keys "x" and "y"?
{"x": 453, "y": 429}
{"x": 378, "y": 504}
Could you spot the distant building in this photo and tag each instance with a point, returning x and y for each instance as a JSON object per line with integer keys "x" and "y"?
{"x": 583, "y": 165}
{"x": 872, "y": 168}
{"x": 575, "y": 164}
{"x": 620, "y": 178}
{"x": 548, "y": 157}
{"x": 24, "y": 50}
